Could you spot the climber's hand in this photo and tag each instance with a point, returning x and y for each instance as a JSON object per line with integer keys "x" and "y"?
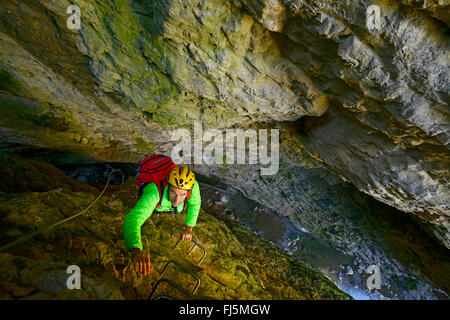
{"x": 141, "y": 261}
{"x": 187, "y": 235}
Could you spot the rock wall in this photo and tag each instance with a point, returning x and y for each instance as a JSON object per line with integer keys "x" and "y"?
{"x": 238, "y": 263}
{"x": 366, "y": 91}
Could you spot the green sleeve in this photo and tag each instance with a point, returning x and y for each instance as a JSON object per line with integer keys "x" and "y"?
{"x": 193, "y": 209}
{"x": 138, "y": 215}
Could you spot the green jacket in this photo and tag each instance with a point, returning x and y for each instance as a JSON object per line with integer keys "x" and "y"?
{"x": 144, "y": 209}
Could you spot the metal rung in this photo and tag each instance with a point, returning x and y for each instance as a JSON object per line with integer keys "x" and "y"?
{"x": 172, "y": 284}
{"x": 173, "y": 233}
{"x": 196, "y": 244}
{"x": 189, "y": 294}
{"x": 186, "y": 271}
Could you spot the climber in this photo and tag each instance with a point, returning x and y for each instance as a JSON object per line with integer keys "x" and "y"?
{"x": 177, "y": 190}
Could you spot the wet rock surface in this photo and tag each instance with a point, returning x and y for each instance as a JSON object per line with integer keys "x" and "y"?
{"x": 238, "y": 264}
{"x": 342, "y": 232}
{"x": 347, "y": 232}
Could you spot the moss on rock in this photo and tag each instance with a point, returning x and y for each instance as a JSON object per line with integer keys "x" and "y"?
{"x": 238, "y": 265}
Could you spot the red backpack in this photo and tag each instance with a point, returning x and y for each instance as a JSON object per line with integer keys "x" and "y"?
{"x": 155, "y": 169}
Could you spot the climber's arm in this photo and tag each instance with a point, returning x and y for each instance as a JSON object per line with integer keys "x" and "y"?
{"x": 193, "y": 209}
{"x": 138, "y": 215}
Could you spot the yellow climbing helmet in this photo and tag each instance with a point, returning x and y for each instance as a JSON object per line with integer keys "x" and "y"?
{"x": 182, "y": 178}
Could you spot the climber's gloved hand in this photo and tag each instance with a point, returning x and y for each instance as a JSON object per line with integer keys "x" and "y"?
{"x": 187, "y": 235}
{"x": 141, "y": 261}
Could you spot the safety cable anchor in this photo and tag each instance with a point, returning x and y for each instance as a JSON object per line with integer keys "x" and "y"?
{"x": 108, "y": 166}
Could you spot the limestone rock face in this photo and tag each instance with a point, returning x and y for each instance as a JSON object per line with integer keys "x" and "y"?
{"x": 389, "y": 122}
{"x": 367, "y": 84}
{"x": 238, "y": 264}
